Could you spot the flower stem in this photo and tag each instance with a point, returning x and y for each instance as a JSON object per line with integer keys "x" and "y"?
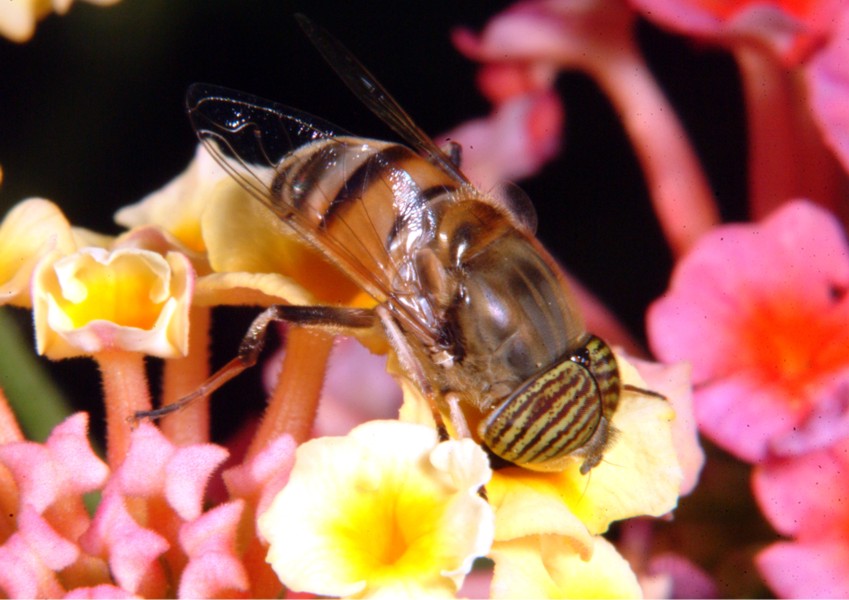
{"x": 787, "y": 158}
{"x": 294, "y": 402}
{"x": 181, "y": 377}
{"x": 125, "y": 391}
{"x": 682, "y": 198}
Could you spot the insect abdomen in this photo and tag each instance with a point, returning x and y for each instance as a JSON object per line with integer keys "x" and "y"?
{"x": 354, "y": 193}
{"x": 557, "y": 412}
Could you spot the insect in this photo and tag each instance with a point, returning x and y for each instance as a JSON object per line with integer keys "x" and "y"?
{"x": 476, "y": 310}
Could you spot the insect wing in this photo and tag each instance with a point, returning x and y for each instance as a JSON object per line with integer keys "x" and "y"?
{"x": 248, "y": 135}
{"x": 371, "y": 93}
{"x": 257, "y": 141}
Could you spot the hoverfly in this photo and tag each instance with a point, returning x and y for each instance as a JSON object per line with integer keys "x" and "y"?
{"x": 476, "y": 310}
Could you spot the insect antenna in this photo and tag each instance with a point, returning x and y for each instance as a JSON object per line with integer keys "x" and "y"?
{"x": 643, "y": 391}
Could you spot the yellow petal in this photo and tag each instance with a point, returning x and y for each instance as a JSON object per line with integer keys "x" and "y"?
{"x": 178, "y": 207}
{"x": 242, "y": 235}
{"x": 530, "y": 503}
{"x": 543, "y": 567}
{"x": 675, "y": 382}
{"x": 29, "y": 231}
{"x": 640, "y": 473}
{"x": 94, "y": 300}
{"x": 385, "y": 510}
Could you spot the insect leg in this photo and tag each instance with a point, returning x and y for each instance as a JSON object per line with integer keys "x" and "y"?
{"x": 413, "y": 367}
{"x": 336, "y": 319}
{"x": 643, "y": 392}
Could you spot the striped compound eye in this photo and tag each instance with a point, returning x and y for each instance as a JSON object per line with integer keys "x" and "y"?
{"x": 560, "y": 413}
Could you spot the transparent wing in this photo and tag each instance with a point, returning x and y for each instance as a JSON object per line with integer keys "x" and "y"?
{"x": 253, "y": 132}
{"x": 371, "y": 93}
{"x": 251, "y": 137}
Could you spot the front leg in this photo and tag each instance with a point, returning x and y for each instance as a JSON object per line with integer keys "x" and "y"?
{"x": 338, "y": 320}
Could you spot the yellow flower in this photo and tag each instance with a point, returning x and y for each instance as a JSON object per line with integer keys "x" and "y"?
{"x": 251, "y": 249}
{"x": 563, "y": 513}
{"x": 546, "y": 567}
{"x": 178, "y": 207}
{"x": 386, "y": 510}
{"x": 18, "y": 17}
{"x": 29, "y": 231}
{"x": 256, "y": 259}
{"x": 96, "y": 300}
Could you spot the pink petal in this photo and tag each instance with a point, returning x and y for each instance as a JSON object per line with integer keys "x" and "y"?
{"x": 63, "y": 466}
{"x": 536, "y": 31}
{"x": 811, "y": 569}
{"x": 828, "y": 81}
{"x": 357, "y": 388}
{"x": 143, "y": 472}
{"x": 187, "y": 474}
{"x": 131, "y": 550}
{"x": 808, "y": 495}
{"x": 685, "y": 578}
{"x": 742, "y": 416}
{"x": 32, "y": 556}
{"x": 214, "y": 569}
{"x": 52, "y": 549}
{"x": 35, "y": 474}
{"x": 213, "y": 575}
{"x": 22, "y": 574}
{"x": 264, "y": 475}
{"x": 215, "y": 530}
{"x": 521, "y": 135}
{"x": 503, "y": 81}
{"x": 69, "y": 445}
{"x": 791, "y": 30}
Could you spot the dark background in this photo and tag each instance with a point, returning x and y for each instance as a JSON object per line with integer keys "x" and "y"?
{"x": 92, "y": 117}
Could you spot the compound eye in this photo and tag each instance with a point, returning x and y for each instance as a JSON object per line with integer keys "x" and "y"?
{"x": 559, "y": 412}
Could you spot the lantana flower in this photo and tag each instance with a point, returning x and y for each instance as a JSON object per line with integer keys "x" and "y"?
{"x": 30, "y": 230}
{"x": 529, "y": 42}
{"x": 761, "y": 312}
{"x": 549, "y": 518}
{"x": 793, "y": 62}
{"x": 18, "y": 17}
{"x": 95, "y": 300}
{"x": 148, "y": 536}
{"x": 806, "y": 498}
{"x": 387, "y": 510}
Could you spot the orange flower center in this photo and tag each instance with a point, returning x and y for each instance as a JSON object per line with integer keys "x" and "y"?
{"x": 793, "y": 345}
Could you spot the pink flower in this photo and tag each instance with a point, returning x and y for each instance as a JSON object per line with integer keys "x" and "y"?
{"x": 761, "y": 312}
{"x": 792, "y": 58}
{"x": 524, "y": 47}
{"x": 790, "y": 28}
{"x": 807, "y": 498}
{"x": 828, "y": 81}
{"x": 149, "y": 535}
{"x": 514, "y": 142}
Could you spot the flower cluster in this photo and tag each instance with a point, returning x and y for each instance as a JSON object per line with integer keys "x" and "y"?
{"x": 384, "y": 509}
{"x": 758, "y": 310}
{"x": 362, "y": 496}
